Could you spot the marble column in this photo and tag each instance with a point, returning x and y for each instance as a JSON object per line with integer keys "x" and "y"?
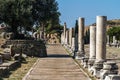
{"x": 62, "y": 38}
{"x": 92, "y": 42}
{"x": 92, "y": 54}
{"x": 114, "y": 41}
{"x": 40, "y": 34}
{"x": 101, "y": 38}
{"x": 64, "y": 32}
{"x": 80, "y": 52}
{"x": 100, "y": 45}
{"x": 70, "y": 37}
{"x": 67, "y": 37}
{"x": 108, "y": 40}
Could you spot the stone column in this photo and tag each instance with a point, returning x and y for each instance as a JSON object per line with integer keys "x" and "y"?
{"x": 67, "y": 37}
{"x": 114, "y": 39}
{"x": 92, "y": 54}
{"x": 73, "y": 44}
{"x": 64, "y": 32}
{"x": 100, "y": 45}
{"x": 62, "y": 38}
{"x": 70, "y": 37}
{"x": 80, "y": 52}
{"x": 101, "y": 38}
{"x": 92, "y": 42}
{"x": 108, "y": 40}
{"x": 40, "y": 34}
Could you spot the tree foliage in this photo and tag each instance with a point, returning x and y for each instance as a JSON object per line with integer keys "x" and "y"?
{"x": 76, "y": 27}
{"x": 114, "y": 31}
{"x": 16, "y": 13}
{"x": 46, "y": 13}
{"x": 25, "y": 13}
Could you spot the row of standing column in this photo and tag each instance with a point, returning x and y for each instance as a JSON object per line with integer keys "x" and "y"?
{"x": 97, "y": 39}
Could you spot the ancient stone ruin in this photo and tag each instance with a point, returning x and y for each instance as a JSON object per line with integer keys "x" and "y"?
{"x": 96, "y": 61}
{"x": 12, "y": 51}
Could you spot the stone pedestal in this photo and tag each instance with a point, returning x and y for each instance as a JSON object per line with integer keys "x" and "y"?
{"x": 80, "y": 53}
{"x": 84, "y": 62}
{"x": 109, "y": 68}
{"x": 100, "y": 44}
{"x": 112, "y": 77}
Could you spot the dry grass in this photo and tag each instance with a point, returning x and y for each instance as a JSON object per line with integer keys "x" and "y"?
{"x": 20, "y": 72}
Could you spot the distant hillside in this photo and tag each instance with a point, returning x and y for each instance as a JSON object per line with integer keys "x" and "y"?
{"x": 110, "y": 23}
{"x": 113, "y": 22}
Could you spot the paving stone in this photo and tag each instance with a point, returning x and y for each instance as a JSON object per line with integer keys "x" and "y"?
{"x": 57, "y": 66}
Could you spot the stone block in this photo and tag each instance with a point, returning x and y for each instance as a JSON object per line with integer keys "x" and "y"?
{"x": 112, "y": 77}
{"x": 108, "y": 69}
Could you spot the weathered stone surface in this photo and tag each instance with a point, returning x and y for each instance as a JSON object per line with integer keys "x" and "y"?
{"x": 109, "y": 68}
{"x": 53, "y": 39}
{"x": 112, "y": 77}
{"x": 28, "y": 47}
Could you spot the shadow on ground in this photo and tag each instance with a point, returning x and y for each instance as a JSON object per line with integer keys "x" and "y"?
{"x": 58, "y": 56}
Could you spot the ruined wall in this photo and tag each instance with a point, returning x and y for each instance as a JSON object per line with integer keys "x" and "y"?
{"x": 28, "y": 47}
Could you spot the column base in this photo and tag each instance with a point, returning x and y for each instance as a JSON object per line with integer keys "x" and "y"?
{"x": 112, "y": 77}
{"x": 97, "y": 68}
{"x": 84, "y": 62}
{"x": 109, "y": 68}
{"x": 79, "y": 55}
{"x": 90, "y": 64}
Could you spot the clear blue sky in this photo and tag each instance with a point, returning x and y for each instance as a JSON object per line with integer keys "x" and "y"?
{"x": 72, "y": 9}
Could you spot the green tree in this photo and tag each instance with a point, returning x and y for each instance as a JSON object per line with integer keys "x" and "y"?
{"x": 87, "y": 36}
{"x": 22, "y": 14}
{"x": 76, "y": 27}
{"x": 114, "y": 31}
{"x": 45, "y": 12}
{"x": 17, "y": 14}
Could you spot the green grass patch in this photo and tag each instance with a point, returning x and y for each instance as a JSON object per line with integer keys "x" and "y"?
{"x": 19, "y": 73}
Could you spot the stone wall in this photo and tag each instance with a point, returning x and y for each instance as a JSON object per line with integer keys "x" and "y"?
{"x": 28, "y": 47}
